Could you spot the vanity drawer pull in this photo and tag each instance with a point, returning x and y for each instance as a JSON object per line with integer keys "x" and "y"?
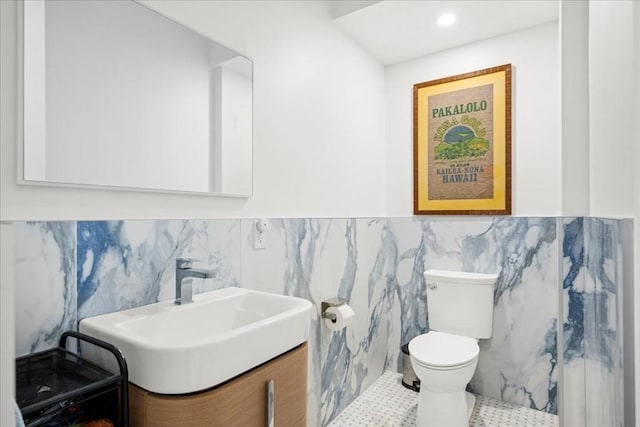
{"x": 271, "y": 398}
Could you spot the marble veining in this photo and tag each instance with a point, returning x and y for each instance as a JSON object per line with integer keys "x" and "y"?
{"x": 339, "y": 365}
{"x": 600, "y": 293}
{"x": 522, "y": 251}
{"x": 573, "y": 250}
{"x": 518, "y": 363}
{"x": 126, "y": 264}
{"x": 412, "y": 294}
{"x": 593, "y": 346}
{"x": 301, "y": 237}
{"x": 45, "y": 287}
{"x": 603, "y": 322}
{"x": 75, "y": 270}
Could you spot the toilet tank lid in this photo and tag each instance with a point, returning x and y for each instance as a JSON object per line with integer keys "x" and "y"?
{"x": 460, "y": 277}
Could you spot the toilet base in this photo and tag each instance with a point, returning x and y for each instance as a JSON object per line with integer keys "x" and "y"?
{"x": 444, "y": 409}
{"x": 471, "y": 402}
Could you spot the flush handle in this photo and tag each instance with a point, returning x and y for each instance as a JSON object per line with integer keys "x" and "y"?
{"x": 432, "y": 286}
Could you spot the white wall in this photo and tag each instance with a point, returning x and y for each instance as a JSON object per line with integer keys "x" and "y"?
{"x": 611, "y": 106}
{"x": 7, "y": 325}
{"x": 574, "y": 66}
{"x": 536, "y": 161}
{"x": 319, "y": 132}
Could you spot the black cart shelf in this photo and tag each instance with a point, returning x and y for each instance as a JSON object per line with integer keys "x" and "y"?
{"x": 60, "y": 387}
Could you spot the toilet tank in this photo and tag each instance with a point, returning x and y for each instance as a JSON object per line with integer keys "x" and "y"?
{"x": 460, "y": 303}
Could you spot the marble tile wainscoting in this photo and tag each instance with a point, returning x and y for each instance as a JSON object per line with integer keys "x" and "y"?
{"x": 66, "y": 271}
{"x": 594, "y": 285}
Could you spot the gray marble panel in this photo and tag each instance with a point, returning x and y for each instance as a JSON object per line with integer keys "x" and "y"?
{"x": 604, "y": 369}
{"x": 593, "y": 298}
{"x": 573, "y": 409}
{"x": 126, "y": 264}
{"x": 296, "y": 255}
{"x": 45, "y": 283}
{"x": 378, "y": 265}
{"x": 518, "y": 363}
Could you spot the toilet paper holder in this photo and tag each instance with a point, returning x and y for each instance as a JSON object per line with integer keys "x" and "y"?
{"x": 331, "y": 302}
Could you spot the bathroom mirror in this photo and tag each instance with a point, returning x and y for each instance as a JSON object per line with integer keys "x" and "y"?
{"x": 117, "y": 95}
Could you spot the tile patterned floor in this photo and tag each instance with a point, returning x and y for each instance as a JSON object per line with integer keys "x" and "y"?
{"x": 388, "y": 404}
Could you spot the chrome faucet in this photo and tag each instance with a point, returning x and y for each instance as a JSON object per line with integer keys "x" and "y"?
{"x": 184, "y": 291}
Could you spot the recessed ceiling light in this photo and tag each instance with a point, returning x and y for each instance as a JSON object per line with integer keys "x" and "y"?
{"x": 446, "y": 19}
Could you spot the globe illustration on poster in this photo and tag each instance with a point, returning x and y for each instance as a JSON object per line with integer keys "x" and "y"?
{"x": 461, "y": 142}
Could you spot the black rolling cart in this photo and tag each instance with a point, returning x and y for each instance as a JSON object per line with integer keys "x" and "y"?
{"x": 58, "y": 387}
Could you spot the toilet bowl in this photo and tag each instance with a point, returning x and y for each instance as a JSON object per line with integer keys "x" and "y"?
{"x": 445, "y": 364}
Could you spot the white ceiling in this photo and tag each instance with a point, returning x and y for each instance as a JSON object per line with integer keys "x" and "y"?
{"x": 399, "y": 30}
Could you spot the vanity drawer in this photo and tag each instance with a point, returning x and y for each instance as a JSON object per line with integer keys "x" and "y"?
{"x": 241, "y": 401}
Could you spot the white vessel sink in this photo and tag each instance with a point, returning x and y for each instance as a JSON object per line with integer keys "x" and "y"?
{"x": 176, "y": 349}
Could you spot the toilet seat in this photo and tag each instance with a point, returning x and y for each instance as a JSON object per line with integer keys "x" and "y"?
{"x": 439, "y": 350}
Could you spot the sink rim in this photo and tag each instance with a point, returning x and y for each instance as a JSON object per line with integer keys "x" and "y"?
{"x": 167, "y": 368}
{"x": 199, "y": 301}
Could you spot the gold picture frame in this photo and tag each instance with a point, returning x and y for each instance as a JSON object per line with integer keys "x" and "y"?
{"x": 462, "y": 144}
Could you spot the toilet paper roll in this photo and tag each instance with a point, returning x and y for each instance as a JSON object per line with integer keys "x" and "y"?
{"x": 344, "y": 315}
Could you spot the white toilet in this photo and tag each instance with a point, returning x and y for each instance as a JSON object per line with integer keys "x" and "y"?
{"x": 460, "y": 308}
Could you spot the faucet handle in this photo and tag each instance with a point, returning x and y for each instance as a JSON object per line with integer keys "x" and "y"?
{"x": 184, "y": 263}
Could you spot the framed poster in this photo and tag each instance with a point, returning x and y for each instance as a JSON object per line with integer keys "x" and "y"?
{"x": 462, "y": 144}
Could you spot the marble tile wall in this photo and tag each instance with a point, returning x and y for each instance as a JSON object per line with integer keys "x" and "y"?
{"x": 66, "y": 271}
{"x": 593, "y": 347}
{"x": 70, "y": 270}
{"x": 45, "y": 288}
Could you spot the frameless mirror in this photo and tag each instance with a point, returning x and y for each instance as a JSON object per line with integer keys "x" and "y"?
{"x": 118, "y": 95}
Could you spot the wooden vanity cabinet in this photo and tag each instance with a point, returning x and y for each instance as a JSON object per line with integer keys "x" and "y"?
{"x": 241, "y": 401}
